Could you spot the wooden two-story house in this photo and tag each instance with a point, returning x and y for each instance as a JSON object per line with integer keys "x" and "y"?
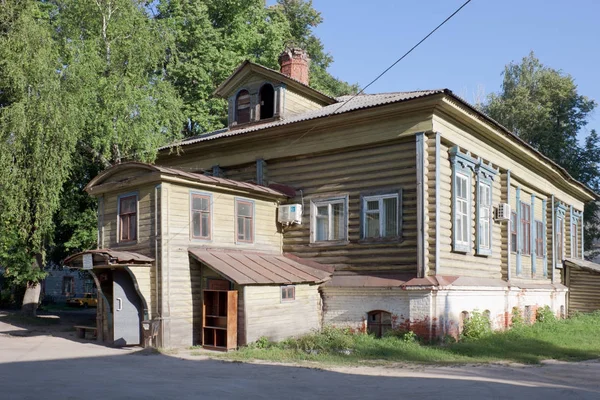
{"x": 403, "y": 210}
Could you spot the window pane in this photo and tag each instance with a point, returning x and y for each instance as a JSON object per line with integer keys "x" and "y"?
{"x": 240, "y": 226}
{"x": 244, "y": 209}
{"x": 465, "y": 227}
{"x": 248, "y": 228}
{"x": 338, "y": 221}
{"x": 133, "y": 227}
{"x": 372, "y": 224}
{"x": 200, "y": 203}
{"x": 390, "y": 212}
{"x": 196, "y": 224}
{"x": 322, "y": 232}
{"x": 205, "y": 225}
{"x": 372, "y": 205}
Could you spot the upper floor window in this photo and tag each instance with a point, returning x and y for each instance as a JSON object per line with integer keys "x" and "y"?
{"x": 484, "y": 227}
{"x": 201, "y": 223}
{"x": 127, "y": 218}
{"x": 462, "y": 212}
{"x": 381, "y": 216}
{"x": 559, "y": 233}
{"x": 525, "y": 229}
{"x": 242, "y": 107}
{"x": 539, "y": 238}
{"x": 244, "y": 221}
{"x": 328, "y": 219}
{"x": 513, "y": 232}
{"x": 267, "y": 101}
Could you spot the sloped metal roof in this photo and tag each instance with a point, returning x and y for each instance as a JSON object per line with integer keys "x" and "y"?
{"x": 108, "y": 257}
{"x": 583, "y": 264}
{"x": 211, "y": 180}
{"x": 343, "y": 105}
{"x": 252, "y": 268}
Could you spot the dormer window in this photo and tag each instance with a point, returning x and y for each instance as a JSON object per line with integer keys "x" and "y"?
{"x": 242, "y": 107}
{"x": 267, "y": 101}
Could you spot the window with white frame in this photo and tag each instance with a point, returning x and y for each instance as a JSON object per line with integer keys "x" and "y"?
{"x": 484, "y": 227}
{"x": 329, "y": 219}
{"x": 200, "y": 209}
{"x": 559, "y": 233}
{"x": 462, "y": 210}
{"x": 288, "y": 293}
{"x": 244, "y": 221}
{"x": 381, "y": 216}
{"x": 525, "y": 229}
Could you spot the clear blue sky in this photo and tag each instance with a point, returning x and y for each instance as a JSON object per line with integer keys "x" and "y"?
{"x": 468, "y": 54}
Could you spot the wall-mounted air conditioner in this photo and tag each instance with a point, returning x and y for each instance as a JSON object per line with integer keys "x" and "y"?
{"x": 503, "y": 213}
{"x": 290, "y": 214}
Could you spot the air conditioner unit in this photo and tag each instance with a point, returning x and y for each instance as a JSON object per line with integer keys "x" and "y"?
{"x": 290, "y": 214}
{"x": 503, "y": 212}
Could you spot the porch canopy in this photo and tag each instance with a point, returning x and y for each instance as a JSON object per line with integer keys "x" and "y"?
{"x": 107, "y": 258}
{"x": 254, "y": 268}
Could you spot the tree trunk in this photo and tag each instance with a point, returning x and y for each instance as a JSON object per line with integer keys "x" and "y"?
{"x": 31, "y": 299}
{"x": 32, "y": 293}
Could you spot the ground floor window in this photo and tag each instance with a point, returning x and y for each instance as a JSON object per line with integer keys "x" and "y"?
{"x": 288, "y": 293}
{"x": 379, "y": 322}
{"x": 68, "y": 287}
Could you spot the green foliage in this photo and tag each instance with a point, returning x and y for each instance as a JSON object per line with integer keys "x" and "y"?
{"x": 543, "y": 107}
{"x": 38, "y": 133}
{"x": 517, "y": 318}
{"x": 405, "y": 336}
{"x": 572, "y": 339}
{"x": 476, "y": 326}
{"x": 545, "y": 315}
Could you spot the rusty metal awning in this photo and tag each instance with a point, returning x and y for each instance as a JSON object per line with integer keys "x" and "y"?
{"x": 252, "y": 268}
{"x": 108, "y": 258}
{"x": 583, "y": 264}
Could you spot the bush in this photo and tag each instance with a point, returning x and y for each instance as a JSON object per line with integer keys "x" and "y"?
{"x": 545, "y": 314}
{"x": 477, "y": 326}
{"x": 405, "y": 336}
{"x": 517, "y": 318}
{"x": 328, "y": 340}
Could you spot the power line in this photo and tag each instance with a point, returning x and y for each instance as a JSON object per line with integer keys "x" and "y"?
{"x": 388, "y": 68}
{"x": 405, "y": 54}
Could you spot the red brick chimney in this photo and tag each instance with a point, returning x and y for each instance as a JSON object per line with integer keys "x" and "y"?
{"x": 294, "y": 63}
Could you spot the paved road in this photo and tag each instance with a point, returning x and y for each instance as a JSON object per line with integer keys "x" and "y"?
{"x": 35, "y": 365}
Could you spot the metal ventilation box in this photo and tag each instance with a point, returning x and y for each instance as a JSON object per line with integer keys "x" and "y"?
{"x": 290, "y": 214}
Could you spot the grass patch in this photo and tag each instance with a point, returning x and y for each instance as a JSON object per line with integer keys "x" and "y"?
{"x": 573, "y": 339}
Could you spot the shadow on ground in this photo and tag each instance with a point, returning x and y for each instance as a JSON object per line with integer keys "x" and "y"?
{"x": 158, "y": 376}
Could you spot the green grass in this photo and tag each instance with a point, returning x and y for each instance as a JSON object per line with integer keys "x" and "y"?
{"x": 573, "y": 339}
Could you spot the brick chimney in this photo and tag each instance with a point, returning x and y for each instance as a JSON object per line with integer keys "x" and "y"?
{"x": 294, "y": 63}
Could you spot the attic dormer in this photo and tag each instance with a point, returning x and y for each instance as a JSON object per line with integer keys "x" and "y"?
{"x": 258, "y": 94}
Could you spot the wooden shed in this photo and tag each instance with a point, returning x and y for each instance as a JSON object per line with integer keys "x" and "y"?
{"x": 583, "y": 280}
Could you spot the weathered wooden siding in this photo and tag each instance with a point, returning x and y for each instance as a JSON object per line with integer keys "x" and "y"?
{"x": 146, "y": 233}
{"x": 143, "y": 278}
{"x": 458, "y": 263}
{"x": 525, "y": 176}
{"x": 583, "y": 295}
{"x": 243, "y": 173}
{"x": 180, "y": 287}
{"x": 266, "y": 315}
{"x": 295, "y": 103}
{"x": 352, "y": 173}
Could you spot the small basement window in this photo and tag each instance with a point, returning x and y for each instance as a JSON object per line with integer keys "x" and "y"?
{"x": 267, "y": 101}
{"x": 242, "y": 107}
{"x": 379, "y": 322}
{"x": 288, "y": 293}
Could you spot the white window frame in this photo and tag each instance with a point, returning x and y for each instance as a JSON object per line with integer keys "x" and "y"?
{"x": 286, "y": 288}
{"x": 329, "y": 202}
{"x": 382, "y": 217}
{"x": 482, "y": 247}
{"x": 462, "y": 243}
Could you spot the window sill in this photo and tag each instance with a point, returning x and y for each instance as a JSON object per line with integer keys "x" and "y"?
{"x": 329, "y": 243}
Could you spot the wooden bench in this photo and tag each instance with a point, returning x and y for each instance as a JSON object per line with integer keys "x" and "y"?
{"x": 82, "y": 329}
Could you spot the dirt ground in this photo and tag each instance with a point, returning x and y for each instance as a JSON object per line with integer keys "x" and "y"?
{"x": 49, "y": 362}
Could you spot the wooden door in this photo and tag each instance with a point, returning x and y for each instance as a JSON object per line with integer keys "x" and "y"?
{"x": 127, "y": 310}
